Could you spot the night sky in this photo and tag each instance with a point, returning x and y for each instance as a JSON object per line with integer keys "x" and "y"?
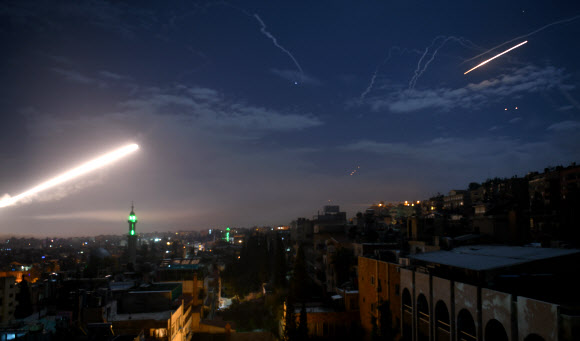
{"x": 259, "y": 112}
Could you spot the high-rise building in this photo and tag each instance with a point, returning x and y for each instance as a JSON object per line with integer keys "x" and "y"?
{"x": 8, "y": 291}
{"x": 132, "y": 237}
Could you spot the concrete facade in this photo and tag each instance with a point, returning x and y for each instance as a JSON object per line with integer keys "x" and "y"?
{"x": 466, "y": 300}
{"x": 537, "y": 317}
{"x": 475, "y": 313}
{"x": 496, "y": 306}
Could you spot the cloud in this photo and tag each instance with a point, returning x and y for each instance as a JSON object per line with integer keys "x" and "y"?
{"x": 295, "y": 76}
{"x": 210, "y": 109}
{"x": 77, "y": 77}
{"x": 565, "y": 126}
{"x": 203, "y": 93}
{"x": 114, "y": 216}
{"x": 528, "y": 79}
{"x": 566, "y": 107}
{"x": 111, "y": 16}
{"x": 515, "y": 120}
{"x": 102, "y": 79}
{"x": 472, "y": 153}
{"x": 200, "y": 106}
{"x": 112, "y": 75}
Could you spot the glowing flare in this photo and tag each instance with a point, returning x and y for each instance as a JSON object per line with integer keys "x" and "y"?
{"x": 76, "y": 172}
{"x": 490, "y": 59}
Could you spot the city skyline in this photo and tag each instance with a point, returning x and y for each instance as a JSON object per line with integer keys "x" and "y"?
{"x": 252, "y": 114}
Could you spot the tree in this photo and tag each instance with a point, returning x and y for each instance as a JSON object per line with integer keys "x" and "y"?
{"x": 290, "y": 325}
{"x": 246, "y": 274}
{"x": 375, "y": 334}
{"x": 473, "y": 186}
{"x": 343, "y": 259}
{"x": 386, "y": 329}
{"x": 279, "y": 264}
{"x": 302, "y": 332}
{"x": 383, "y": 328}
{"x": 352, "y": 232}
{"x": 24, "y": 307}
{"x": 300, "y": 281}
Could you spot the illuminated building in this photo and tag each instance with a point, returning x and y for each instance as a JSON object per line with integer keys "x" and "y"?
{"x": 132, "y": 237}
{"x": 378, "y": 285}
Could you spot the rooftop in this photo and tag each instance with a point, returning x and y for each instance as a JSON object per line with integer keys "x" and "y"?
{"x": 118, "y": 286}
{"x": 176, "y": 264}
{"x": 161, "y": 315}
{"x": 487, "y": 257}
{"x": 157, "y": 287}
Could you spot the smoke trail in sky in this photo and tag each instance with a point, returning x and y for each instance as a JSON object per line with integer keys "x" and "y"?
{"x": 369, "y": 88}
{"x": 372, "y": 82}
{"x": 524, "y": 36}
{"x": 570, "y": 99}
{"x": 199, "y": 8}
{"x": 269, "y": 35}
{"x": 418, "y": 71}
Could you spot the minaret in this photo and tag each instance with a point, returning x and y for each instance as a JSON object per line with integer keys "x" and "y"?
{"x": 132, "y": 237}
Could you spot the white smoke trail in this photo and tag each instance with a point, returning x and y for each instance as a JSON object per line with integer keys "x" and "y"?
{"x": 525, "y": 36}
{"x": 372, "y": 82}
{"x": 419, "y": 72}
{"x": 275, "y": 41}
{"x": 370, "y": 87}
{"x": 198, "y": 8}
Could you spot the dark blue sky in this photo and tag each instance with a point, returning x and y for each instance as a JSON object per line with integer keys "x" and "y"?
{"x": 252, "y": 113}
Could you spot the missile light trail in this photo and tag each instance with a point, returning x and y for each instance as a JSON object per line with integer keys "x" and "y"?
{"x": 490, "y": 59}
{"x": 73, "y": 173}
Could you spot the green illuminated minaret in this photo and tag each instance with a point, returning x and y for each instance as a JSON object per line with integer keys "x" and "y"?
{"x": 132, "y": 237}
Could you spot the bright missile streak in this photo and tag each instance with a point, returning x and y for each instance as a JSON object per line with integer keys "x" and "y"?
{"x": 490, "y": 59}
{"x": 76, "y": 172}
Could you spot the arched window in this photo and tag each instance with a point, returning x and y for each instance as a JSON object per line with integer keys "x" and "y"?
{"x": 465, "y": 326}
{"x": 407, "y": 315}
{"x": 442, "y": 322}
{"x": 534, "y": 337}
{"x": 422, "y": 318}
{"x": 494, "y": 331}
